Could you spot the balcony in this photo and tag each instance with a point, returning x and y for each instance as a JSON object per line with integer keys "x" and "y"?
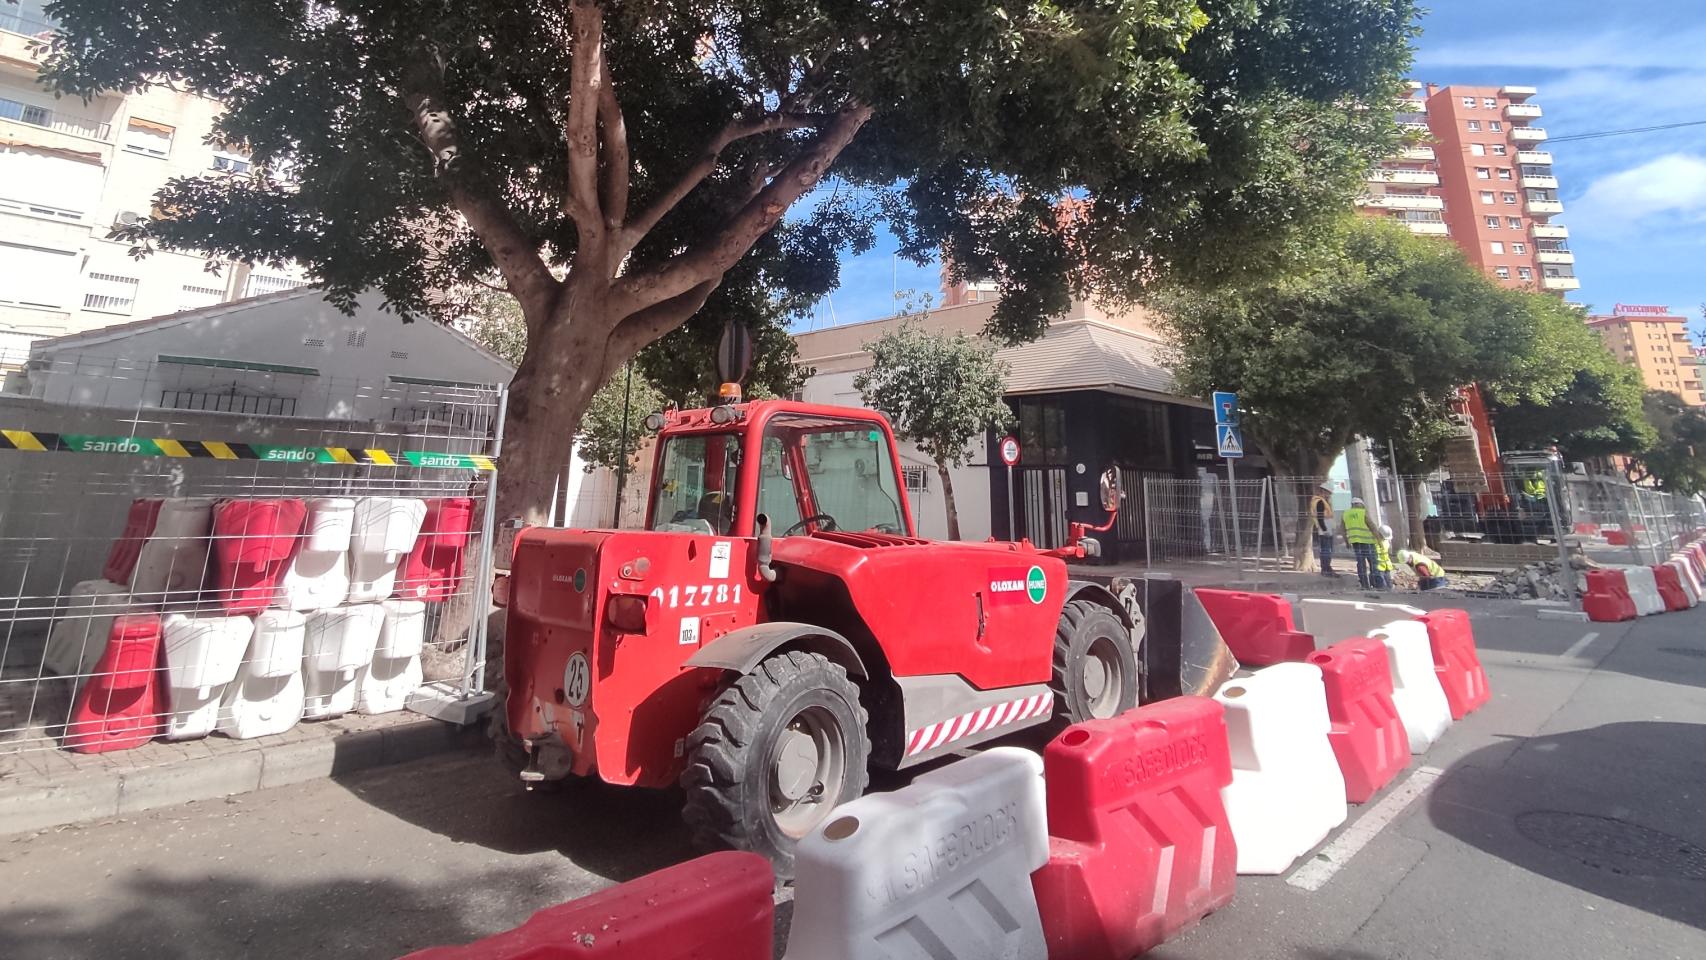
{"x": 1403, "y": 201}
{"x": 1522, "y": 111}
{"x": 1560, "y": 283}
{"x": 1547, "y": 231}
{"x": 1535, "y": 157}
{"x": 1544, "y": 208}
{"x": 1428, "y": 228}
{"x": 56, "y": 120}
{"x": 1418, "y": 153}
{"x": 1540, "y": 183}
{"x": 1528, "y": 134}
{"x": 1555, "y": 257}
{"x": 1518, "y": 92}
{"x": 1426, "y": 178}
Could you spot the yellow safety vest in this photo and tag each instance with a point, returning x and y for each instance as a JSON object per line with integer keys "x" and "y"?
{"x": 1382, "y": 558}
{"x": 1426, "y": 566}
{"x": 1319, "y": 516}
{"x": 1357, "y": 529}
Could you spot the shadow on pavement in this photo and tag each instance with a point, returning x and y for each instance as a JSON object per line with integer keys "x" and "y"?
{"x": 1611, "y": 810}
{"x": 228, "y": 916}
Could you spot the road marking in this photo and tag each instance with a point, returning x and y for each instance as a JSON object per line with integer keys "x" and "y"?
{"x": 1314, "y": 875}
{"x": 1576, "y": 649}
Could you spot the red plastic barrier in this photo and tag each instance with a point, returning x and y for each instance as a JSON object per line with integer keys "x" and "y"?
{"x": 717, "y": 907}
{"x": 1616, "y": 538}
{"x": 435, "y": 564}
{"x": 1459, "y": 669}
{"x": 1587, "y": 529}
{"x": 1367, "y": 735}
{"x": 123, "y": 703}
{"x": 1608, "y": 599}
{"x": 1257, "y": 627}
{"x": 253, "y": 541}
{"x": 1697, "y": 555}
{"x": 1139, "y": 844}
{"x": 138, "y": 526}
{"x": 1670, "y": 587}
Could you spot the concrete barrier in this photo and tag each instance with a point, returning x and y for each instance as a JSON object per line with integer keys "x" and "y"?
{"x": 1287, "y": 792}
{"x": 1416, "y": 691}
{"x": 1334, "y": 620}
{"x": 1140, "y": 847}
{"x": 940, "y": 868}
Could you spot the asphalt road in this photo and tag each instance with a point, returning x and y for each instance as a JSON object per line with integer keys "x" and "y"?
{"x": 1565, "y": 822}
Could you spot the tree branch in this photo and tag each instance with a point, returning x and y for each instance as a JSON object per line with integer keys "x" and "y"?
{"x": 645, "y": 326}
{"x": 718, "y": 253}
{"x": 614, "y": 143}
{"x": 642, "y": 224}
{"x": 586, "y": 75}
{"x": 514, "y": 254}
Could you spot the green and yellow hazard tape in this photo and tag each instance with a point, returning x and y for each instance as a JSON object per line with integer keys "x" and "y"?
{"x": 36, "y": 441}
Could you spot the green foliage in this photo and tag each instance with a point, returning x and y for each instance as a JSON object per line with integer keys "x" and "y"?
{"x": 939, "y": 391}
{"x": 1677, "y": 456}
{"x": 494, "y": 319}
{"x": 1373, "y": 341}
{"x": 600, "y": 439}
{"x": 1188, "y": 129}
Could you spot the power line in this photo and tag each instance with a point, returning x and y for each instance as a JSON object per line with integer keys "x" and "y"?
{"x": 1624, "y": 133}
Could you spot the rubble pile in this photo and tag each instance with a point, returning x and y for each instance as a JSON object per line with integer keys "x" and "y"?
{"x": 1538, "y": 581}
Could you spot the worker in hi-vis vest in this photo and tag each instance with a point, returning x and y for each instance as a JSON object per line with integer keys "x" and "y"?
{"x": 1383, "y": 559}
{"x": 1362, "y": 538}
{"x": 1321, "y": 525}
{"x": 1429, "y": 574}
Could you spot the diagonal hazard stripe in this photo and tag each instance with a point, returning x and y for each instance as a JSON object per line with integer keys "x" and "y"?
{"x": 171, "y": 448}
{"x": 23, "y": 440}
{"x": 37, "y": 441}
{"x": 380, "y": 458}
{"x": 219, "y": 450}
{"x": 340, "y": 455}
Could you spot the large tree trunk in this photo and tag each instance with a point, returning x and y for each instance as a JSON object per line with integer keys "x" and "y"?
{"x": 948, "y": 500}
{"x": 1307, "y": 470}
{"x": 1416, "y": 513}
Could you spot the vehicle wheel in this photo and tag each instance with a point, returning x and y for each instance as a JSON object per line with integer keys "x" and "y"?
{"x": 1095, "y": 670}
{"x": 777, "y": 751}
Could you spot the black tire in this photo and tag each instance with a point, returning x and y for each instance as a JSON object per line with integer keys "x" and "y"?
{"x": 1095, "y": 668}
{"x": 735, "y": 797}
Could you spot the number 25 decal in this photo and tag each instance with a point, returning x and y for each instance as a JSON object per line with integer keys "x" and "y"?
{"x": 696, "y": 595}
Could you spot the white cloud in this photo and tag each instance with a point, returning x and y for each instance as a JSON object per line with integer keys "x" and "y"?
{"x": 1671, "y": 189}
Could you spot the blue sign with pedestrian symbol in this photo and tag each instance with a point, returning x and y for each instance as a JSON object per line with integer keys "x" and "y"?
{"x": 1230, "y": 440}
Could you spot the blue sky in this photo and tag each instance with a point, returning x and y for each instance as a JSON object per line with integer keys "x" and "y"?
{"x": 1635, "y": 205}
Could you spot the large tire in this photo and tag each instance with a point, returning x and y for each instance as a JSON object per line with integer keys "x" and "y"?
{"x": 777, "y": 751}
{"x": 1095, "y": 667}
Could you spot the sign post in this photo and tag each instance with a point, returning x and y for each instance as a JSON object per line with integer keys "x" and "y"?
{"x": 1229, "y": 441}
{"x": 1010, "y": 456}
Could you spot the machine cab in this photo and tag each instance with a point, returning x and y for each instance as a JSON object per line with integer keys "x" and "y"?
{"x": 808, "y": 468}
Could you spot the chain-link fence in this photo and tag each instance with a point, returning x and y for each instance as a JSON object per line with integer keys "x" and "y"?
{"x": 1620, "y": 522}
{"x": 188, "y": 547}
{"x": 1211, "y": 519}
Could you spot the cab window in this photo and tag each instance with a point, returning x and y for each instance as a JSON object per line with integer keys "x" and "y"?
{"x": 822, "y": 473}
{"x": 696, "y": 484}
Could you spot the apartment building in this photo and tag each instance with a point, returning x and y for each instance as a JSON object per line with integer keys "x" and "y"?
{"x": 1475, "y": 172}
{"x": 1655, "y": 342}
{"x": 72, "y": 171}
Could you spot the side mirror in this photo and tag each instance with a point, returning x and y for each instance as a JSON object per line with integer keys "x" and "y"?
{"x": 1111, "y": 492}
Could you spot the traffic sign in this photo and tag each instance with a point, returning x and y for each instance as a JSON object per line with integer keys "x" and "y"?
{"x": 1225, "y": 408}
{"x": 1230, "y": 441}
{"x": 1010, "y": 450}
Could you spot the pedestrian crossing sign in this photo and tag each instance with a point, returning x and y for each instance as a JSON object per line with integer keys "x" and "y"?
{"x": 1231, "y": 441}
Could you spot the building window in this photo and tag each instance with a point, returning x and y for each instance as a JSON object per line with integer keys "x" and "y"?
{"x": 1492, "y": 223}
{"x": 1482, "y": 173}
{"x": 260, "y": 284}
{"x": 194, "y": 297}
{"x": 1510, "y": 198}
{"x": 1504, "y": 173}
{"x": 36, "y": 276}
{"x": 916, "y": 479}
{"x": 148, "y": 138}
{"x": 228, "y": 401}
{"x": 1499, "y": 150}
{"x": 1524, "y": 273}
{"x": 1478, "y": 149}
{"x": 1486, "y": 196}
{"x": 1496, "y": 126}
{"x": 1498, "y": 247}
{"x": 1469, "y": 102}
{"x": 230, "y": 162}
{"x": 1491, "y": 103}
{"x": 1474, "y": 124}
{"x": 1520, "y": 249}
{"x": 110, "y": 293}
{"x": 1503, "y": 273}
{"x": 1515, "y": 223}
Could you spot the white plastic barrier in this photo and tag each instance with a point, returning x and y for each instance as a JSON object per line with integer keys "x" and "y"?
{"x": 335, "y": 645}
{"x": 202, "y": 656}
{"x": 384, "y": 685}
{"x": 173, "y": 560}
{"x": 939, "y": 869}
{"x": 1416, "y": 691}
{"x": 384, "y": 533}
{"x": 1685, "y": 573}
{"x": 267, "y": 697}
{"x": 79, "y": 635}
{"x": 1644, "y": 588}
{"x": 1333, "y": 620}
{"x": 1287, "y": 790}
{"x": 318, "y": 575}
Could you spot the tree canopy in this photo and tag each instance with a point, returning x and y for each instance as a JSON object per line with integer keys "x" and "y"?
{"x": 618, "y": 166}
{"x": 1676, "y": 458}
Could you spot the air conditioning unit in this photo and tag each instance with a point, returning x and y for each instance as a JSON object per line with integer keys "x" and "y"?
{"x": 128, "y": 218}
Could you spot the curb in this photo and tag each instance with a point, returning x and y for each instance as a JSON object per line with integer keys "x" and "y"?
{"x": 49, "y": 790}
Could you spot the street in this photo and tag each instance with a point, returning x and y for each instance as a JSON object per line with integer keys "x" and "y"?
{"x": 1561, "y": 821}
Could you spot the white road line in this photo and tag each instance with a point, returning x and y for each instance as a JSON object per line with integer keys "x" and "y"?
{"x": 1580, "y": 645}
{"x": 1314, "y": 875}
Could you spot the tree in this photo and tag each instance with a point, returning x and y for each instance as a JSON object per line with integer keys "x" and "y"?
{"x": 612, "y": 165}
{"x": 1677, "y": 457}
{"x": 940, "y": 392}
{"x": 1374, "y": 340}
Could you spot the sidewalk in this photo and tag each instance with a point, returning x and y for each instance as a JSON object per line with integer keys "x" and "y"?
{"x": 1227, "y": 575}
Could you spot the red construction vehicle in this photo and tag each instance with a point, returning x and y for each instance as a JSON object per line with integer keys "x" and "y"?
{"x": 779, "y": 627}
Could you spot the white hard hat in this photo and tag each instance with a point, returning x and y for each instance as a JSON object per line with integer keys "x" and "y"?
{"x": 1385, "y": 530}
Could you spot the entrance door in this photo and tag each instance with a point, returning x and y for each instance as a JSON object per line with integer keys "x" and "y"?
{"x": 1042, "y": 514}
